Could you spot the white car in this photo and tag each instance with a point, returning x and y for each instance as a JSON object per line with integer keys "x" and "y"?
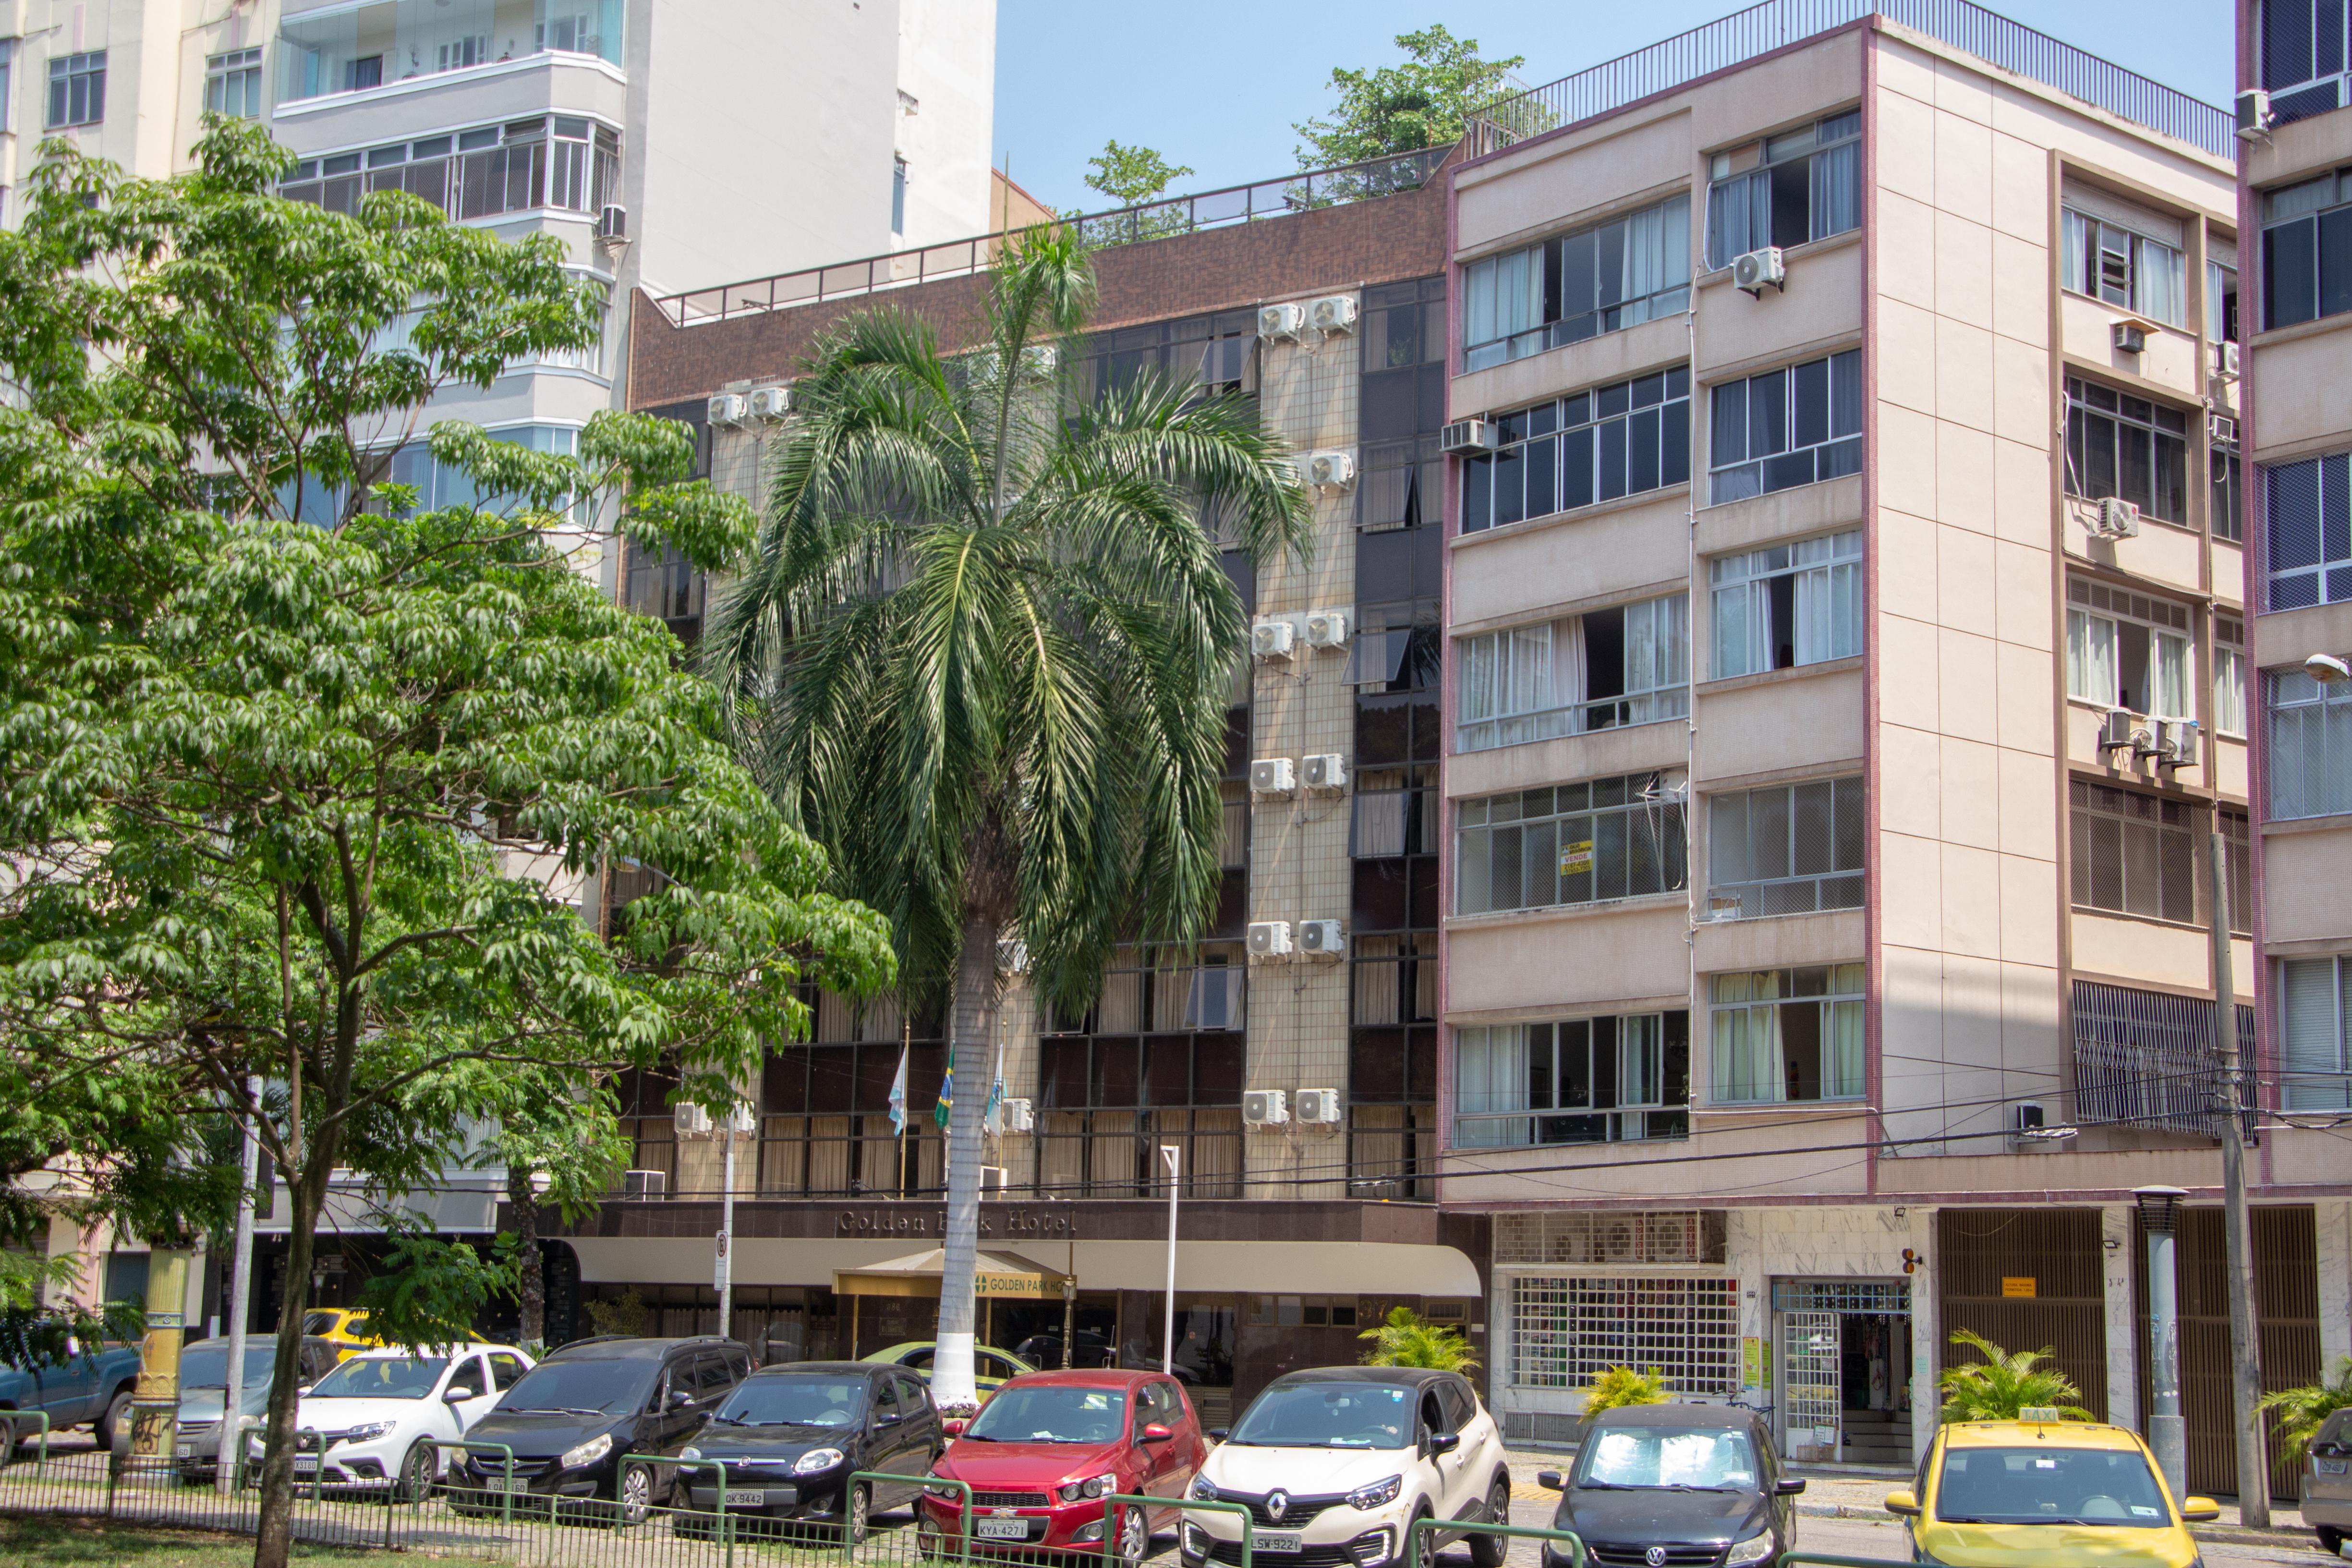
{"x": 1337, "y": 1463}
{"x": 373, "y": 1420}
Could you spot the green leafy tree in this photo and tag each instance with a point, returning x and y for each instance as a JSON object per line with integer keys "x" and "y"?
{"x": 2006, "y": 1383}
{"x": 1618, "y": 1387}
{"x": 1129, "y": 175}
{"x": 430, "y": 1292}
{"x": 2300, "y": 1413}
{"x": 983, "y": 652}
{"x": 301, "y": 774}
{"x": 1406, "y": 1339}
{"x": 1426, "y": 102}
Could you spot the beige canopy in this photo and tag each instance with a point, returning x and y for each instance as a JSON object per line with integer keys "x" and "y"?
{"x": 996, "y": 1274}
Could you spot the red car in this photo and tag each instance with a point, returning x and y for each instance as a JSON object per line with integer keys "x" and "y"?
{"x": 1042, "y": 1453}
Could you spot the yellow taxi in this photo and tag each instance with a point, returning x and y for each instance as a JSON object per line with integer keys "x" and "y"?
{"x": 342, "y": 1327}
{"x": 2010, "y": 1494}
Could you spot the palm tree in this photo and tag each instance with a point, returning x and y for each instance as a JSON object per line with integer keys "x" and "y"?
{"x": 2006, "y": 1384}
{"x": 2300, "y": 1413}
{"x": 983, "y": 653}
{"x": 1407, "y": 1339}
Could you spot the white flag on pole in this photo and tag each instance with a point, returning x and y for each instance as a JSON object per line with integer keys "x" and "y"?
{"x": 898, "y": 1097}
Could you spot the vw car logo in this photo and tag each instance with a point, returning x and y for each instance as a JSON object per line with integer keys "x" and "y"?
{"x": 1277, "y": 1503}
{"x": 1655, "y": 1556}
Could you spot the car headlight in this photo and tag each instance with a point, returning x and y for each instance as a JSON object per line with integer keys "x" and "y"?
{"x": 1203, "y": 1489}
{"x": 689, "y": 1453}
{"x": 587, "y": 1453}
{"x": 1092, "y": 1486}
{"x": 1755, "y": 1548}
{"x": 944, "y": 1492}
{"x": 369, "y": 1433}
{"x": 816, "y": 1460}
{"x": 1380, "y": 1494}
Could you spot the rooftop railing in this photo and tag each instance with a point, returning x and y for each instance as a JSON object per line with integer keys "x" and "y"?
{"x": 1775, "y": 24}
{"x": 1281, "y": 197}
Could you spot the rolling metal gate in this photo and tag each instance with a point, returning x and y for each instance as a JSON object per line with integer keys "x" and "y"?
{"x": 2059, "y": 1250}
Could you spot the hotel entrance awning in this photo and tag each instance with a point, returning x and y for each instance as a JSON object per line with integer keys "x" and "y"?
{"x": 1005, "y": 1276}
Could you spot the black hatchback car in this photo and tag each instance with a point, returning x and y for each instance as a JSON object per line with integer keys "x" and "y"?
{"x": 789, "y": 1437}
{"x": 1686, "y": 1486}
{"x": 574, "y": 1419}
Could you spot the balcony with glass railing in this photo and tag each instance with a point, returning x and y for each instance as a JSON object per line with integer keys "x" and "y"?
{"x": 560, "y": 162}
{"x": 376, "y": 44}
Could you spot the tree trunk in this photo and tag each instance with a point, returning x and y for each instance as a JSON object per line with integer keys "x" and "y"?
{"x": 975, "y": 1003}
{"x": 274, "y": 1534}
{"x": 534, "y": 1287}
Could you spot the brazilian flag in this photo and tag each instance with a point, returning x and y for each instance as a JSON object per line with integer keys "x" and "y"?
{"x": 947, "y": 1100}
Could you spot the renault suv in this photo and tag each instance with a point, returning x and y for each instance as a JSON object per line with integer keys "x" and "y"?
{"x": 1337, "y": 1463}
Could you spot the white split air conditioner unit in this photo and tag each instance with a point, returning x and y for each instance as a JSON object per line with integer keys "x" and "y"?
{"x": 644, "y": 1183}
{"x": 728, "y": 408}
{"x": 1269, "y": 939}
{"x": 2176, "y": 743}
{"x": 1275, "y": 321}
{"x": 2116, "y": 730}
{"x": 1318, "y": 1108}
{"x": 772, "y": 402}
{"x": 693, "y": 1120}
{"x": 1752, "y": 269}
{"x": 2254, "y": 115}
{"x": 1335, "y": 469}
{"x": 2226, "y": 361}
{"x": 742, "y": 1120}
{"x": 1019, "y": 1116}
{"x": 613, "y": 223}
{"x": 1326, "y": 629}
{"x": 1325, "y": 770}
{"x": 1273, "y": 775}
{"x": 1273, "y": 638}
{"x": 2115, "y": 518}
{"x": 1265, "y": 1107}
{"x": 1322, "y": 939}
{"x": 1467, "y": 435}
{"x": 1333, "y": 314}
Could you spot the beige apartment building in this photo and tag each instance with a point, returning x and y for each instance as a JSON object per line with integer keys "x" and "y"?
{"x": 1846, "y": 620}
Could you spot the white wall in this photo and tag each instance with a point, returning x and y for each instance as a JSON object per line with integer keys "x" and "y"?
{"x": 947, "y": 65}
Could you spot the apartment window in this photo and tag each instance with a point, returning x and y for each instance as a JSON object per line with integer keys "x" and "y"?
{"x": 2316, "y": 1072}
{"x": 2220, "y": 299}
{"x": 2304, "y": 55}
{"x": 233, "y": 84}
{"x": 77, "y": 89}
{"x": 898, "y": 196}
{"x": 1788, "y": 605}
{"x": 2229, "y": 675}
{"x": 1786, "y": 427}
{"x": 353, "y": 48}
{"x": 2109, "y": 261}
{"x": 1573, "y": 844}
{"x": 2118, "y": 444}
{"x": 1801, "y": 185}
{"x": 1579, "y": 1080}
{"x": 2307, "y": 250}
{"x": 1628, "y": 664}
{"x": 2127, "y": 650}
{"x": 1597, "y": 445}
{"x": 1783, "y": 1035}
{"x": 1618, "y": 274}
{"x": 2134, "y": 854}
{"x": 561, "y": 162}
{"x": 2310, "y": 757}
{"x": 2238, "y": 865}
{"x": 1566, "y": 1328}
{"x": 2226, "y": 505}
{"x": 1786, "y": 849}
{"x": 2307, "y": 509}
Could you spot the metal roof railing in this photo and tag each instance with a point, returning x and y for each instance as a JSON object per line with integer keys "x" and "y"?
{"x": 1123, "y": 225}
{"x": 1775, "y": 24}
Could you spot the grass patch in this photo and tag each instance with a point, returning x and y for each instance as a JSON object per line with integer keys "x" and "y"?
{"x": 93, "y": 1543}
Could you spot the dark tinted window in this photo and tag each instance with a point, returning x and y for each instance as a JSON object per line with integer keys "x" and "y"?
{"x": 913, "y": 1398}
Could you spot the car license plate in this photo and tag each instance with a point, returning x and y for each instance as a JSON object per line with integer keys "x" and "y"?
{"x": 1001, "y": 1529}
{"x": 1276, "y": 1540}
{"x": 303, "y": 1467}
{"x": 2333, "y": 1467}
{"x": 506, "y": 1484}
{"x": 753, "y": 1497}
{"x": 187, "y": 1450}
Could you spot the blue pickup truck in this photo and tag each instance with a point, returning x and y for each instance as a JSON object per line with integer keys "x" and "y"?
{"x": 91, "y": 1387}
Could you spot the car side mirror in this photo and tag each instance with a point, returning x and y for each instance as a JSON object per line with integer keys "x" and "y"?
{"x": 1443, "y": 1443}
{"x": 1788, "y": 1486}
{"x": 1550, "y": 1480}
{"x": 1217, "y": 1434}
{"x": 886, "y": 1419}
{"x": 1156, "y": 1432}
{"x": 1903, "y": 1502}
{"x": 2199, "y": 1509}
{"x": 953, "y": 1427}
{"x": 458, "y": 1394}
{"x": 679, "y": 1399}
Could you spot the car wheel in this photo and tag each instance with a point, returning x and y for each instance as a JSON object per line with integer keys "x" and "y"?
{"x": 2331, "y": 1540}
{"x": 858, "y": 1517}
{"x": 1134, "y": 1535}
{"x": 114, "y": 1428}
{"x": 417, "y": 1476}
{"x": 1487, "y": 1550}
{"x": 1417, "y": 1550}
{"x": 633, "y": 1494}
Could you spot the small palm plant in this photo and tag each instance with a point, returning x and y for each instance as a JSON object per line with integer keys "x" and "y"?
{"x": 2299, "y": 1413}
{"x": 1407, "y": 1339}
{"x": 2006, "y": 1384}
{"x": 1616, "y": 1387}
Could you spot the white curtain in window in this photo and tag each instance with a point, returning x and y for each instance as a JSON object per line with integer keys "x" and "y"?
{"x": 1829, "y": 613}
{"x": 1841, "y": 1069}
{"x": 2229, "y": 688}
{"x": 2157, "y": 291}
{"x": 1477, "y": 680}
{"x": 1528, "y": 684}
{"x": 2075, "y": 229}
{"x": 1640, "y": 1065}
{"x": 1733, "y": 644}
{"x": 2312, "y": 1048}
{"x": 1478, "y": 302}
{"x": 2090, "y": 656}
{"x": 1504, "y": 295}
{"x": 1836, "y": 176}
{"x": 1657, "y": 250}
{"x": 1567, "y": 675}
{"x": 2171, "y": 684}
{"x": 1493, "y": 1074}
{"x": 1747, "y": 1050}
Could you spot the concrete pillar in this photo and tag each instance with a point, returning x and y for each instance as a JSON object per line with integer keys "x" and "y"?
{"x": 2122, "y": 1326}
{"x": 1926, "y": 1330}
{"x": 2332, "y": 1245}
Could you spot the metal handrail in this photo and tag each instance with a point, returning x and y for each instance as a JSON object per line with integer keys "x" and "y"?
{"x": 11, "y": 1419}
{"x": 1429, "y": 1525}
{"x": 505, "y": 1472}
{"x": 1113, "y": 1501}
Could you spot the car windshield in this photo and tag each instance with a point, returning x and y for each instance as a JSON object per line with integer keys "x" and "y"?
{"x": 2048, "y": 1486}
{"x": 1669, "y": 1457}
{"x": 1330, "y": 1415}
{"x": 1046, "y": 1413}
{"x": 206, "y": 1365}
{"x": 381, "y": 1377}
{"x": 584, "y": 1387}
{"x": 792, "y": 1401}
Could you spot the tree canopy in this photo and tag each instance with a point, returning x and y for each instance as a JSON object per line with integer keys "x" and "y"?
{"x": 1129, "y": 175}
{"x": 1426, "y": 102}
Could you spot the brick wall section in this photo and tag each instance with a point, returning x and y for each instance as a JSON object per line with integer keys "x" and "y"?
{"x": 1324, "y": 251}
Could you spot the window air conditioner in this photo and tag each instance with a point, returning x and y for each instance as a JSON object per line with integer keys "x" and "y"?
{"x": 728, "y": 409}
{"x": 993, "y": 1181}
{"x": 1319, "y": 1106}
{"x": 1265, "y": 1107}
{"x": 1467, "y": 435}
{"x": 2115, "y": 731}
{"x": 1269, "y": 939}
{"x": 1273, "y": 775}
{"x": 2116, "y": 519}
{"x": 1325, "y": 770}
{"x": 693, "y": 1120}
{"x": 2221, "y": 429}
{"x": 1275, "y": 321}
{"x": 772, "y": 402}
{"x": 613, "y": 223}
{"x": 2129, "y": 336}
{"x": 1335, "y": 469}
{"x": 1333, "y": 314}
{"x": 1322, "y": 939}
{"x": 1273, "y": 639}
{"x": 1326, "y": 629}
{"x": 1019, "y": 1116}
{"x": 644, "y": 1183}
{"x": 1752, "y": 269}
{"x": 2253, "y": 114}
{"x": 742, "y": 1120}
{"x": 2176, "y": 743}
{"x": 2225, "y": 361}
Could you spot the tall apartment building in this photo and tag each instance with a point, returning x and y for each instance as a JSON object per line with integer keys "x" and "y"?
{"x": 1846, "y": 629}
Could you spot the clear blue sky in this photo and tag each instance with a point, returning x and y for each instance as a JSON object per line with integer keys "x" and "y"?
{"x": 1217, "y": 84}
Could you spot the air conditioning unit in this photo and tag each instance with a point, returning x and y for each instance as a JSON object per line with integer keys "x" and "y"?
{"x": 1336, "y": 469}
{"x": 1319, "y": 1107}
{"x": 1325, "y": 770}
{"x": 1333, "y": 314}
{"x": 742, "y": 1120}
{"x": 2221, "y": 429}
{"x": 2129, "y": 336}
{"x": 1326, "y": 629}
{"x": 2115, "y": 518}
{"x": 1273, "y": 638}
{"x": 772, "y": 402}
{"x": 1469, "y": 436}
{"x": 693, "y": 1120}
{"x": 1019, "y": 1116}
{"x": 1752, "y": 269}
{"x": 613, "y": 222}
{"x": 992, "y": 1179}
{"x": 2029, "y": 1125}
{"x": 728, "y": 408}
{"x": 1265, "y": 1107}
{"x": 1322, "y": 939}
{"x": 2176, "y": 743}
{"x": 1269, "y": 939}
{"x": 644, "y": 1183}
{"x": 1275, "y": 321}
{"x": 2253, "y": 114}
{"x": 2116, "y": 730}
{"x": 1273, "y": 775}
{"x": 2226, "y": 361}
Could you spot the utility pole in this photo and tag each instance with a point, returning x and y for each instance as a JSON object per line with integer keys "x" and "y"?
{"x": 735, "y": 1124}
{"x": 2237, "y": 1228}
{"x": 231, "y": 1451}
{"x": 1172, "y": 1156}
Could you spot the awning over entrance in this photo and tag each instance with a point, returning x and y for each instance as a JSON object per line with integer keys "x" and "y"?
{"x": 1001, "y": 1275}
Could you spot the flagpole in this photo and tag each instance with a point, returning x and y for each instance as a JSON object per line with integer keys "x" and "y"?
{"x": 906, "y": 1049}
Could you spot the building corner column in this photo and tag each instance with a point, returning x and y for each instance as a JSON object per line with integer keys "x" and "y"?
{"x": 1926, "y": 1330}
{"x": 2121, "y": 1317}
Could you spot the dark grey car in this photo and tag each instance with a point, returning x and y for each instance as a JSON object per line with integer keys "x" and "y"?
{"x": 1698, "y": 1485}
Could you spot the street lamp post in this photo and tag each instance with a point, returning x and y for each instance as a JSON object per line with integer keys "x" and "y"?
{"x": 1172, "y": 1156}
{"x": 738, "y": 1123}
{"x": 2160, "y": 1213}
{"x": 240, "y": 1295}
